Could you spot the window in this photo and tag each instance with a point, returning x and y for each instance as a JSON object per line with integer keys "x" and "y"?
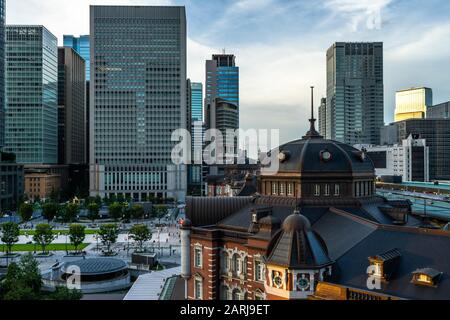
{"x": 317, "y": 190}
{"x": 198, "y": 257}
{"x": 290, "y": 189}
{"x": 337, "y": 190}
{"x": 327, "y": 190}
{"x": 274, "y": 188}
{"x": 198, "y": 288}
{"x": 282, "y": 189}
{"x": 259, "y": 271}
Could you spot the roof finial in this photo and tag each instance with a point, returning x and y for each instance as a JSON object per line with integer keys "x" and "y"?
{"x": 312, "y": 133}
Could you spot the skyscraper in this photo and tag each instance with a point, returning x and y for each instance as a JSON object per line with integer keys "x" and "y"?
{"x": 355, "y": 99}
{"x": 323, "y": 117}
{"x": 71, "y": 107}
{"x": 412, "y": 103}
{"x": 31, "y": 92}
{"x": 2, "y": 73}
{"x": 81, "y": 45}
{"x": 138, "y": 98}
{"x": 197, "y": 131}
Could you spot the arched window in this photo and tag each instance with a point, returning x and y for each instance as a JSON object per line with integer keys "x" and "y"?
{"x": 198, "y": 288}
{"x": 235, "y": 263}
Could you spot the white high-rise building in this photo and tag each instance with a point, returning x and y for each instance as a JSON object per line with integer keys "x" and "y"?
{"x": 138, "y": 98}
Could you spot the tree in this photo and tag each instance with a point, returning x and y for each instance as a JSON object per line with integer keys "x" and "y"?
{"x": 140, "y": 233}
{"x": 26, "y": 211}
{"x": 43, "y": 235}
{"x": 108, "y": 234}
{"x": 159, "y": 211}
{"x": 10, "y": 234}
{"x": 76, "y": 235}
{"x": 93, "y": 211}
{"x": 71, "y": 212}
{"x": 23, "y": 280}
{"x": 65, "y": 294}
{"x": 115, "y": 210}
{"x": 137, "y": 211}
{"x": 49, "y": 211}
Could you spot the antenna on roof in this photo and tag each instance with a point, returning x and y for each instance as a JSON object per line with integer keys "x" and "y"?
{"x": 312, "y": 133}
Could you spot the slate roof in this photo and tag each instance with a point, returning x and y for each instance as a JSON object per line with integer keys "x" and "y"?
{"x": 419, "y": 249}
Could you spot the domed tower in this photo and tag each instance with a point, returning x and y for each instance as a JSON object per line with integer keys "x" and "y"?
{"x": 317, "y": 169}
{"x": 296, "y": 259}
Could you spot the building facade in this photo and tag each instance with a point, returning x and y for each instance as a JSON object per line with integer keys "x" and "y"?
{"x": 355, "y": 98}
{"x": 2, "y": 72}
{"x": 316, "y": 230}
{"x": 11, "y": 182}
{"x": 41, "y": 185}
{"x": 436, "y": 133}
{"x": 71, "y": 107}
{"x": 439, "y": 111}
{"x": 412, "y": 103}
{"x": 31, "y": 92}
{"x": 138, "y": 99}
{"x": 410, "y": 160}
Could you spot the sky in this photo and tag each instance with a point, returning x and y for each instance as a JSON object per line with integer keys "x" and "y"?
{"x": 280, "y": 46}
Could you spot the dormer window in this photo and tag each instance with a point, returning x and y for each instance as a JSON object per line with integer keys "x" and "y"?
{"x": 426, "y": 277}
{"x": 384, "y": 265}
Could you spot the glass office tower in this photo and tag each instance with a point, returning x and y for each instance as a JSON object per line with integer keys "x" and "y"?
{"x": 31, "y": 94}
{"x": 2, "y": 73}
{"x": 138, "y": 98}
{"x": 81, "y": 45}
{"x": 412, "y": 103}
{"x": 197, "y": 131}
{"x": 355, "y": 98}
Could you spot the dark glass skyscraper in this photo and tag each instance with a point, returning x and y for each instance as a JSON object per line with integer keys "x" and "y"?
{"x": 2, "y": 72}
{"x": 81, "y": 45}
{"x": 138, "y": 98}
{"x": 31, "y": 91}
{"x": 355, "y": 98}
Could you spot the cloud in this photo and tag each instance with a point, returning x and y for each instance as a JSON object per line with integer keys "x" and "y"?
{"x": 62, "y": 16}
{"x": 365, "y": 13}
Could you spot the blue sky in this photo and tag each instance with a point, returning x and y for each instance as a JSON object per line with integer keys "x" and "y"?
{"x": 281, "y": 44}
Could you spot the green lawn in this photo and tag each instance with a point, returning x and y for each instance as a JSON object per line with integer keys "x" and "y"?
{"x": 51, "y": 247}
{"x": 31, "y": 232}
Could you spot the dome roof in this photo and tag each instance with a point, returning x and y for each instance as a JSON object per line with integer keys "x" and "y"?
{"x": 314, "y": 154}
{"x": 297, "y": 246}
{"x": 95, "y": 266}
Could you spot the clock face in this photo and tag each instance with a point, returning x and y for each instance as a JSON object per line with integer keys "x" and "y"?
{"x": 278, "y": 281}
{"x": 302, "y": 283}
{"x": 326, "y": 156}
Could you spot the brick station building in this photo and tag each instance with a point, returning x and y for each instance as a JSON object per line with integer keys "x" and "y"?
{"x": 315, "y": 230}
